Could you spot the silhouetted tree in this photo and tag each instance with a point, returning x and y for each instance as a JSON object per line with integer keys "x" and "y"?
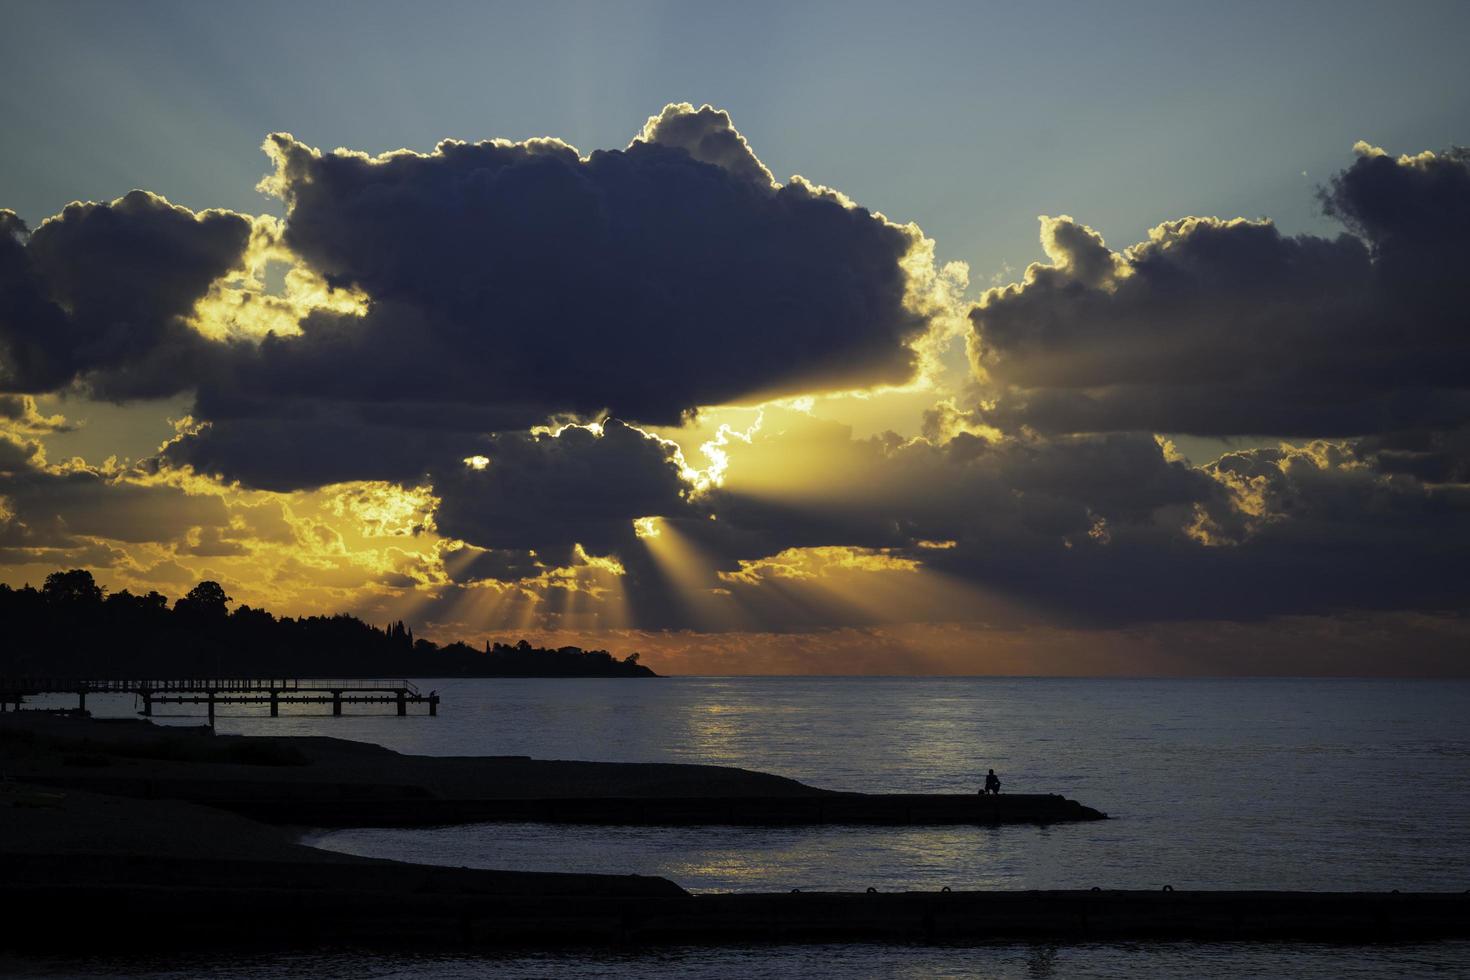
{"x": 207, "y": 599}
{"x": 69, "y": 628}
{"x": 74, "y": 587}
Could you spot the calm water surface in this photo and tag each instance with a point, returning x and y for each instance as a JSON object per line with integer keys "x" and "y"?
{"x": 1313, "y": 784}
{"x": 1000, "y": 962}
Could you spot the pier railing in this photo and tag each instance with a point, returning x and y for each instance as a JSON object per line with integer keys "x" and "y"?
{"x": 226, "y": 690}
{"x": 116, "y": 685}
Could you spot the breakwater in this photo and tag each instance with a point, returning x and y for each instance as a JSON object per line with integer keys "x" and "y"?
{"x": 831, "y": 808}
{"x": 282, "y": 907}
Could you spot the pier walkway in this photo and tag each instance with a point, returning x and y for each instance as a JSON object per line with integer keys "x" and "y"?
{"x": 212, "y": 691}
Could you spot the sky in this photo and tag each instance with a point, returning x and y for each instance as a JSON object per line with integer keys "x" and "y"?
{"x": 788, "y": 338}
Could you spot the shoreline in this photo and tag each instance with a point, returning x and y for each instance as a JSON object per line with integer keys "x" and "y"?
{"x": 93, "y": 870}
{"x": 331, "y": 782}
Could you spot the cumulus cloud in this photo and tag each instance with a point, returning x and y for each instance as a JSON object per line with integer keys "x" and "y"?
{"x": 805, "y": 507}
{"x": 74, "y": 514}
{"x": 1432, "y": 457}
{"x": 816, "y": 528}
{"x": 1215, "y": 327}
{"x": 1093, "y": 529}
{"x": 469, "y": 564}
{"x": 17, "y": 453}
{"x": 506, "y": 283}
{"x": 100, "y": 502}
{"x": 101, "y": 293}
{"x": 524, "y": 274}
{"x": 548, "y": 493}
{"x": 707, "y": 135}
{"x": 211, "y": 542}
{"x": 297, "y": 445}
{"x": 1415, "y": 213}
{"x": 1319, "y": 526}
{"x": 478, "y": 288}
{"x": 19, "y": 413}
{"x": 887, "y": 491}
{"x": 1294, "y": 530}
{"x": 458, "y": 318}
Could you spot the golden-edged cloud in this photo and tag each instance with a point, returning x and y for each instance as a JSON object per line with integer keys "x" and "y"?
{"x": 509, "y": 385}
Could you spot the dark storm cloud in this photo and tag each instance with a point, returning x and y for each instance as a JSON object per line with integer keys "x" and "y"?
{"x": 314, "y": 446}
{"x": 708, "y": 135}
{"x": 16, "y": 453}
{"x": 1017, "y": 517}
{"x": 211, "y": 542}
{"x": 100, "y": 293}
{"x": 1311, "y": 529}
{"x": 942, "y": 489}
{"x": 1009, "y": 496}
{"x": 97, "y": 504}
{"x": 82, "y": 554}
{"x": 547, "y": 493}
{"x": 1318, "y": 528}
{"x": 1414, "y": 211}
{"x": 55, "y": 514}
{"x": 1110, "y": 529}
{"x": 512, "y": 282}
{"x": 470, "y": 564}
{"x": 1229, "y": 327}
{"x": 19, "y": 412}
{"x": 55, "y": 510}
{"x": 1428, "y": 456}
{"x": 506, "y": 283}
{"x": 641, "y": 281}
{"x": 1088, "y": 530}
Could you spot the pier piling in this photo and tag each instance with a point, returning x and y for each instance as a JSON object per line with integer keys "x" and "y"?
{"x": 216, "y": 691}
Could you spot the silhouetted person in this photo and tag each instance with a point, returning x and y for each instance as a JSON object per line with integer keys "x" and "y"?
{"x": 992, "y": 783}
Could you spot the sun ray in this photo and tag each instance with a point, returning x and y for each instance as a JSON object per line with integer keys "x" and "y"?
{"x": 690, "y": 571}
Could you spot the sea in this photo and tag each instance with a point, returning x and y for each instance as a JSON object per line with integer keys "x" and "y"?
{"x": 1317, "y": 784}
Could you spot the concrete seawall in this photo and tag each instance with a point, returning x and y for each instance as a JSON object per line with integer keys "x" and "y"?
{"x": 835, "y": 808}
{"x": 326, "y": 782}
{"x": 47, "y": 915}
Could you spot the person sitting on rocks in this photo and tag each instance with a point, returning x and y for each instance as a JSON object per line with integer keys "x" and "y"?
{"x": 992, "y": 784}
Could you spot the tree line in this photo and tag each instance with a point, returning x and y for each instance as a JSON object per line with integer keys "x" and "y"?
{"x": 72, "y": 627}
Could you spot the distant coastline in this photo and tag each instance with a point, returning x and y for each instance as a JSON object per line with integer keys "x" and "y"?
{"x": 71, "y": 627}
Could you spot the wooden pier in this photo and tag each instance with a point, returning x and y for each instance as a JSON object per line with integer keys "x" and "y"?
{"x": 211, "y": 691}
